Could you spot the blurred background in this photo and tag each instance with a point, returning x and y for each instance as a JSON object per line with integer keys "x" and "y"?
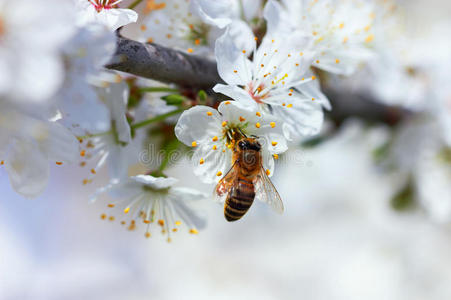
{"x": 339, "y": 238}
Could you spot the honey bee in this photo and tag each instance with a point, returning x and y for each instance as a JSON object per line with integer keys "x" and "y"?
{"x": 245, "y": 181}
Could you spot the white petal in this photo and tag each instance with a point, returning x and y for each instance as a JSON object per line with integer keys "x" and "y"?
{"x": 197, "y": 125}
{"x": 59, "y": 144}
{"x": 233, "y": 65}
{"x": 236, "y": 93}
{"x": 212, "y": 12}
{"x": 27, "y": 168}
{"x": 242, "y": 36}
{"x": 155, "y": 182}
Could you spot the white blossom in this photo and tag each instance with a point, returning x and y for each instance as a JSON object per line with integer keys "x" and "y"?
{"x": 278, "y": 80}
{"x": 110, "y": 147}
{"x": 31, "y": 33}
{"x": 341, "y": 29}
{"x": 29, "y": 142}
{"x": 105, "y": 12}
{"x": 213, "y": 134}
{"x": 154, "y": 200}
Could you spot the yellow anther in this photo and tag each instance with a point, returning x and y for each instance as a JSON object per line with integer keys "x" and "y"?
{"x": 235, "y": 71}
{"x": 201, "y": 161}
{"x": 227, "y": 102}
{"x": 209, "y": 113}
{"x": 367, "y": 28}
{"x": 369, "y": 38}
{"x": 242, "y": 119}
{"x": 178, "y": 223}
{"x": 161, "y": 222}
{"x": 337, "y": 61}
{"x": 219, "y": 173}
{"x": 268, "y": 172}
{"x": 93, "y": 171}
{"x": 197, "y": 41}
{"x": 258, "y": 114}
{"x": 283, "y": 104}
{"x": 317, "y": 61}
{"x": 111, "y": 218}
{"x": 273, "y": 124}
{"x": 262, "y": 65}
{"x": 290, "y": 94}
{"x": 313, "y": 77}
{"x": 215, "y": 147}
{"x": 2, "y": 162}
{"x": 215, "y": 138}
{"x": 297, "y": 65}
{"x": 82, "y": 152}
{"x": 244, "y": 51}
{"x": 302, "y": 53}
{"x": 111, "y": 205}
{"x": 345, "y": 40}
{"x": 59, "y": 163}
{"x": 103, "y": 216}
{"x": 174, "y": 229}
{"x": 143, "y": 27}
{"x": 147, "y": 234}
{"x": 123, "y": 223}
{"x": 274, "y": 143}
{"x": 290, "y": 105}
{"x": 341, "y": 25}
{"x": 224, "y": 124}
{"x": 190, "y": 50}
{"x": 313, "y": 99}
{"x": 194, "y": 144}
{"x": 257, "y": 125}
{"x": 127, "y": 210}
{"x": 146, "y": 221}
{"x": 276, "y": 156}
{"x": 193, "y": 231}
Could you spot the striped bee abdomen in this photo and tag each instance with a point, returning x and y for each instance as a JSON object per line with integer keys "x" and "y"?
{"x": 239, "y": 199}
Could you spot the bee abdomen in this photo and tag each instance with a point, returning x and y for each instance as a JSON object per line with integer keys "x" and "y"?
{"x": 239, "y": 200}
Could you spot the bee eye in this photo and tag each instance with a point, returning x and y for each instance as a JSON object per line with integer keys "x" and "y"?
{"x": 242, "y": 144}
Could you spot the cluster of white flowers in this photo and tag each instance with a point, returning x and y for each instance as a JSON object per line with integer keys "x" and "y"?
{"x": 59, "y": 105}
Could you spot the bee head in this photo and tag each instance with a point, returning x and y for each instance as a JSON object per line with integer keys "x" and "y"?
{"x": 249, "y": 144}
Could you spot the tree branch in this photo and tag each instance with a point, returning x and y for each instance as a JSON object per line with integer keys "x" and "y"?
{"x": 172, "y": 66}
{"x": 164, "y": 64}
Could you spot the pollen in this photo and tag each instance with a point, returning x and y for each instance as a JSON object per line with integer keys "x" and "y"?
{"x": 215, "y": 138}
{"x": 290, "y": 94}
{"x": 146, "y": 221}
{"x": 276, "y": 156}
{"x": 174, "y": 229}
{"x": 197, "y": 42}
{"x": 345, "y": 40}
{"x": 150, "y": 40}
{"x": 262, "y": 65}
{"x": 268, "y": 172}
{"x": 258, "y": 114}
{"x": 297, "y": 65}
{"x": 169, "y": 35}
{"x": 209, "y": 113}
{"x": 161, "y": 222}
{"x": 224, "y": 124}
{"x": 244, "y": 51}
{"x": 127, "y": 210}
{"x": 190, "y": 50}
{"x": 242, "y": 119}
{"x": 272, "y": 124}
{"x": 143, "y": 27}
{"x": 193, "y": 231}
{"x": 290, "y": 105}
{"x": 337, "y": 61}
{"x": 274, "y": 143}
{"x": 82, "y": 164}
{"x": 178, "y": 223}
{"x": 111, "y": 205}
{"x": 2, "y": 163}
{"x": 317, "y": 61}
{"x": 257, "y": 125}
{"x": 235, "y": 71}
{"x": 283, "y": 104}
{"x": 201, "y": 161}
{"x": 302, "y": 53}
{"x": 219, "y": 173}
{"x": 313, "y": 99}
{"x": 313, "y": 77}
{"x": 227, "y": 102}
{"x": 111, "y": 218}
{"x": 85, "y": 181}
{"x": 341, "y": 25}
{"x": 369, "y": 38}
{"x": 103, "y": 216}
{"x": 82, "y": 152}
{"x": 147, "y": 235}
{"x": 93, "y": 171}
{"x": 59, "y": 163}
{"x": 194, "y": 144}
{"x": 215, "y": 147}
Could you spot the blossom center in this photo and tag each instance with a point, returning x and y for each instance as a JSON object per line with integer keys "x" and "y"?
{"x": 255, "y": 92}
{"x": 99, "y": 5}
{"x": 232, "y": 133}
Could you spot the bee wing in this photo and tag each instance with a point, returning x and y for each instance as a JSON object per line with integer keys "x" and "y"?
{"x": 223, "y": 187}
{"x": 266, "y": 192}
